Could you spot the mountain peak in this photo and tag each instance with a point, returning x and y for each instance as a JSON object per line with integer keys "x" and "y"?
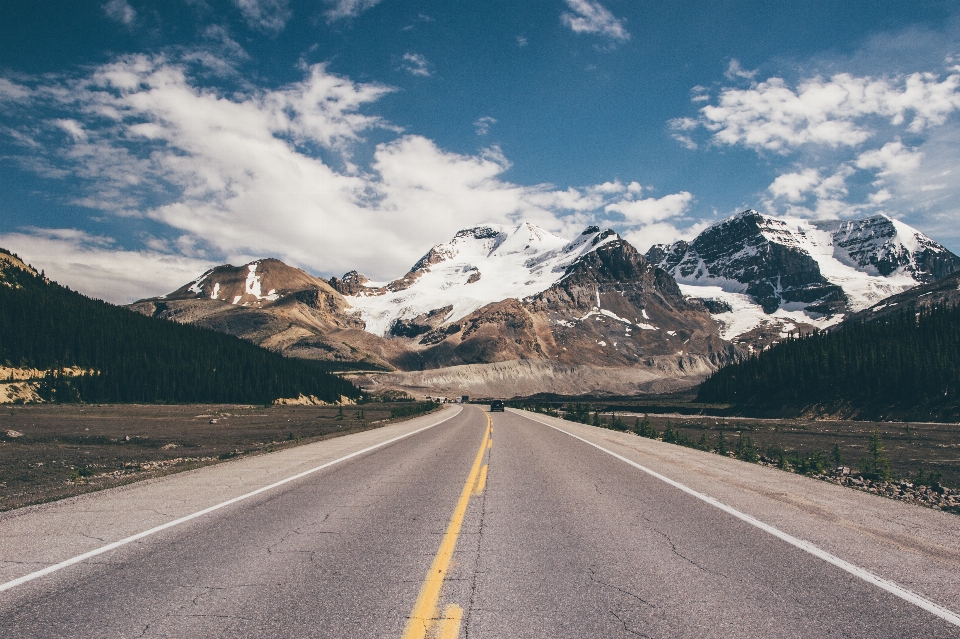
{"x": 11, "y": 260}
{"x": 256, "y": 283}
{"x": 480, "y": 265}
{"x": 796, "y": 270}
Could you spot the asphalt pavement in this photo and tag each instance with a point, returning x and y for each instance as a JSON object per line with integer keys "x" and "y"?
{"x": 497, "y": 526}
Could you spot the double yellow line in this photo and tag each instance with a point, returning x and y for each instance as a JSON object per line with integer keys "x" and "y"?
{"x": 425, "y": 617}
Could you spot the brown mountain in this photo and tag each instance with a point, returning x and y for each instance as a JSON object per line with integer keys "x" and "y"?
{"x": 276, "y": 306}
{"x": 610, "y": 320}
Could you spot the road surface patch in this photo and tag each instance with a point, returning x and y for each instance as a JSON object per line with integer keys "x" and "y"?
{"x": 884, "y": 584}
{"x": 176, "y": 522}
{"x": 424, "y": 618}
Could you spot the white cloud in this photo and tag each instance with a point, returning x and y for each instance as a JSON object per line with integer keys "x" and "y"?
{"x": 340, "y": 9}
{"x": 592, "y": 17}
{"x": 795, "y": 186}
{"x": 661, "y": 233}
{"x": 121, "y": 11}
{"x": 416, "y": 64}
{"x": 892, "y": 159}
{"x": 266, "y": 15}
{"x": 834, "y": 112}
{"x": 73, "y": 129}
{"x": 522, "y": 41}
{"x": 734, "y": 71}
{"x": 12, "y": 91}
{"x": 483, "y": 124}
{"x": 93, "y": 266}
{"x": 269, "y": 172}
{"x": 651, "y": 210}
{"x": 809, "y": 193}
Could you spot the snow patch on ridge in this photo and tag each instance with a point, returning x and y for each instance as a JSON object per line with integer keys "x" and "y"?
{"x": 514, "y": 263}
{"x": 195, "y": 287}
{"x": 745, "y": 314}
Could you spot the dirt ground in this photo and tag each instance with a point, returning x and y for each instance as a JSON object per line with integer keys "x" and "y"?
{"x": 908, "y": 446}
{"x": 53, "y": 451}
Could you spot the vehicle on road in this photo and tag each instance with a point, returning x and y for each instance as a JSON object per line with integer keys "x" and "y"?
{"x": 496, "y": 405}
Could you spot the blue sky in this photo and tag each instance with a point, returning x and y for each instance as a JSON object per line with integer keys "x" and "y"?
{"x": 143, "y": 141}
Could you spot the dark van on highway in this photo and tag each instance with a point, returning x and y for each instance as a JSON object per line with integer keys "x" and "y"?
{"x": 496, "y": 404}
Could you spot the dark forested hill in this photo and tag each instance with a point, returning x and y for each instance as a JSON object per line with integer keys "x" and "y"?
{"x": 903, "y": 366}
{"x": 139, "y": 359}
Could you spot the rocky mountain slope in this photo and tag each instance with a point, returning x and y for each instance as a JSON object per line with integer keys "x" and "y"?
{"x": 492, "y": 294}
{"x": 559, "y": 313}
{"x": 943, "y": 292}
{"x": 276, "y": 306}
{"x": 763, "y": 277}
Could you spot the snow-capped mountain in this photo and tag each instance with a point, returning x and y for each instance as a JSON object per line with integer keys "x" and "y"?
{"x": 479, "y": 266}
{"x": 590, "y": 309}
{"x": 763, "y": 276}
{"x": 271, "y": 304}
{"x": 254, "y": 284}
{"x": 943, "y": 292}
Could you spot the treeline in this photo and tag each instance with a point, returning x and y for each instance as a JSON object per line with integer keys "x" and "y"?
{"x": 906, "y": 366}
{"x": 141, "y": 359}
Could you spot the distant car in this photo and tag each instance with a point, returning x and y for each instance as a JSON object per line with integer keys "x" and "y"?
{"x": 496, "y": 404}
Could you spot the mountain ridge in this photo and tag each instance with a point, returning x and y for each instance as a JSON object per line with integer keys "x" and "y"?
{"x": 496, "y": 294}
{"x": 770, "y": 276}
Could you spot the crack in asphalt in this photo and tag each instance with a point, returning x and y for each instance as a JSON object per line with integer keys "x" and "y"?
{"x": 627, "y": 629}
{"x": 100, "y": 539}
{"x": 673, "y": 547}
{"x": 618, "y": 588}
{"x": 476, "y": 562}
{"x": 198, "y": 616}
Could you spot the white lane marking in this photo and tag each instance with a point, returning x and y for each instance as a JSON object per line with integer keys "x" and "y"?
{"x": 176, "y": 522}
{"x": 866, "y": 575}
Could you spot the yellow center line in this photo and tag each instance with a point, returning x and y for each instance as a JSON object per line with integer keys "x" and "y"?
{"x": 481, "y": 481}
{"x": 424, "y": 615}
{"x": 449, "y": 626}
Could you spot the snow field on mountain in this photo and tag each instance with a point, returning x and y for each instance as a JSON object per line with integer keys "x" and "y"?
{"x": 510, "y": 262}
{"x": 746, "y": 315}
{"x": 863, "y": 288}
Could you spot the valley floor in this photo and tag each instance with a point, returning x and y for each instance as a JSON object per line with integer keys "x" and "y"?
{"x": 908, "y": 447}
{"x": 51, "y": 451}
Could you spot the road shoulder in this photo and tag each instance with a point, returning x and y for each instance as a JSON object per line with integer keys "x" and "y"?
{"x": 915, "y": 547}
{"x": 36, "y": 537}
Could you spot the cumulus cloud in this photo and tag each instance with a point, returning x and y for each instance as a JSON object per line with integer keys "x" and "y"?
{"x": 811, "y": 193}
{"x": 651, "y": 210}
{"x": 340, "y": 9}
{"x": 586, "y": 16}
{"x": 269, "y": 172}
{"x": 855, "y": 143}
{"x": 12, "y": 91}
{"x": 734, "y": 71}
{"x": 892, "y": 159}
{"x": 121, "y": 11}
{"x": 482, "y": 125}
{"x": 661, "y": 233}
{"x": 795, "y": 186}
{"x": 416, "y": 64}
{"x": 94, "y": 266}
{"x": 266, "y": 15}
{"x": 834, "y": 111}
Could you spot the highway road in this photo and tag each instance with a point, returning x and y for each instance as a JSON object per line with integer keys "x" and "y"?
{"x": 503, "y": 525}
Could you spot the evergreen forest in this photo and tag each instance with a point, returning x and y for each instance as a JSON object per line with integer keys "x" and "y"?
{"x": 141, "y": 359}
{"x": 905, "y": 366}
